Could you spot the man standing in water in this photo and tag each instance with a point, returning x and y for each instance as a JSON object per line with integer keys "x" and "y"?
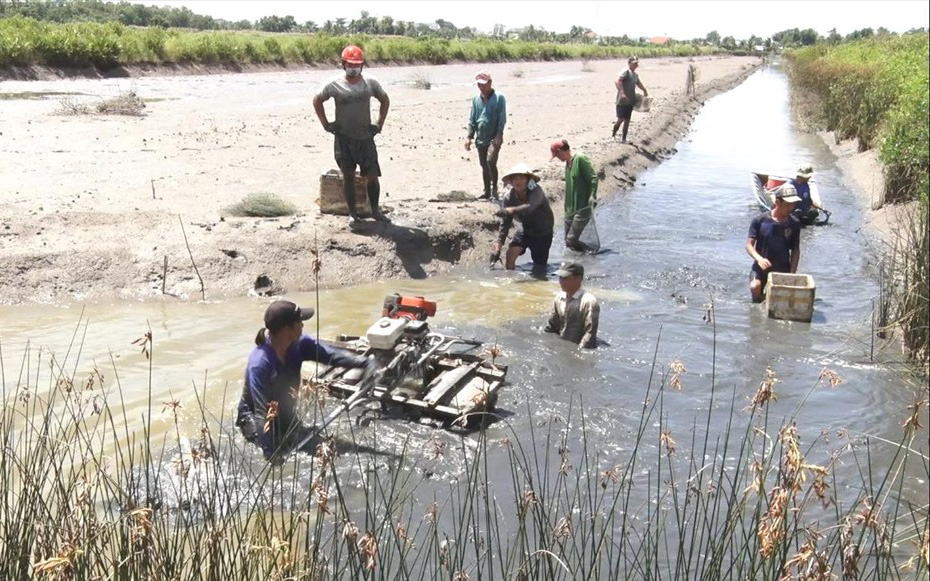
{"x": 575, "y": 312}
{"x": 355, "y": 134}
{"x": 580, "y": 192}
{"x": 526, "y": 203}
{"x": 486, "y": 126}
{"x": 626, "y": 85}
{"x": 268, "y": 409}
{"x": 774, "y": 241}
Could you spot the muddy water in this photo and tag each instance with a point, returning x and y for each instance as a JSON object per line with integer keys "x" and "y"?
{"x": 676, "y": 244}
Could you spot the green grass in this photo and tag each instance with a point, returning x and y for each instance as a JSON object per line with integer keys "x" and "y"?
{"x": 261, "y": 205}
{"x": 25, "y": 41}
{"x": 88, "y": 490}
{"x": 34, "y": 95}
{"x": 878, "y": 91}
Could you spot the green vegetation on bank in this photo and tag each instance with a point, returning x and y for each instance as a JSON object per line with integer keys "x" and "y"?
{"x": 25, "y": 41}
{"x": 877, "y": 90}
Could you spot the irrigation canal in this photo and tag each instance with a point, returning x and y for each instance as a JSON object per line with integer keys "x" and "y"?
{"x": 677, "y": 246}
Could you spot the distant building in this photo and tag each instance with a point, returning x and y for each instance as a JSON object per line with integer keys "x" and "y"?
{"x": 659, "y": 40}
{"x": 590, "y": 35}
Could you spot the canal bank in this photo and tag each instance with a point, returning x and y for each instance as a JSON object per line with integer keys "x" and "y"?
{"x": 92, "y": 209}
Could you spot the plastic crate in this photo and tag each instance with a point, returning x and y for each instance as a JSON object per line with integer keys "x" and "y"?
{"x": 790, "y": 296}
{"x": 332, "y": 199}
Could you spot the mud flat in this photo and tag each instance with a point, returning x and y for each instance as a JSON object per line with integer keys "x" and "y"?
{"x": 89, "y": 205}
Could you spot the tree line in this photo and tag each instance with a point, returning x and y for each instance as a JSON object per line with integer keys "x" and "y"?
{"x": 131, "y": 14}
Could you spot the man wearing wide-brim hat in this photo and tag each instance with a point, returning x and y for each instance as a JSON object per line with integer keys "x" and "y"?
{"x": 526, "y": 203}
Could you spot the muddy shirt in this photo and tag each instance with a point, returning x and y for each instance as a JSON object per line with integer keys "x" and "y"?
{"x": 776, "y": 241}
{"x": 628, "y": 80}
{"x": 353, "y": 104}
{"x": 535, "y": 214}
{"x": 575, "y": 318}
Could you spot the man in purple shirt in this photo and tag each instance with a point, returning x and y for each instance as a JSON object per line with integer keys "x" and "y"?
{"x": 267, "y": 412}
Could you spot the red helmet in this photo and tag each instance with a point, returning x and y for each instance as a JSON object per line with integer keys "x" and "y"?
{"x": 353, "y": 55}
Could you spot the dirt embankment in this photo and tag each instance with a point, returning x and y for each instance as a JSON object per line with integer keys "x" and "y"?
{"x": 865, "y": 173}
{"x": 90, "y": 206}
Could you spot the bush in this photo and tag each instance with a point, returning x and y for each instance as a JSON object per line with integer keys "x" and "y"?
{"x": 878, "y": 91}
{"x": 262, "y": 205}
{"x": 91, "y": 489}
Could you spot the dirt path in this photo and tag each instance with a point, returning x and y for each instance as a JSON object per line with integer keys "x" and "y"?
{"x": 78, "y": 220}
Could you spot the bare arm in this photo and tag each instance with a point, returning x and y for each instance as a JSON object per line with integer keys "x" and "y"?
{"x": 795, "y": 259}
{"x": 640, "y": 85}
{"x": 751, "y": 251}
{"x": 382, "y": 113}
{"x": 320, "y": 111}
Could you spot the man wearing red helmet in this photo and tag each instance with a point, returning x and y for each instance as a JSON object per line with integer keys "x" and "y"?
{"x": 355, "y": 133}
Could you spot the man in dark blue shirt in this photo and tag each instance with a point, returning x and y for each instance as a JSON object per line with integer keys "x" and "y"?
{"x": 267, "y": 412}
{"x": 774, "y": 241}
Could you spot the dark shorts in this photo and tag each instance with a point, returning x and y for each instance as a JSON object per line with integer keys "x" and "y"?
{"x": 756, "y": 273}
{"x": 624, "y": 111}
{"x": 351, "y": 152}
{"x": 538, "y": 246}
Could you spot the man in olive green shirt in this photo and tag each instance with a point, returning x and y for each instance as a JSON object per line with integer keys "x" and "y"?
{"x": 580, "y": 192}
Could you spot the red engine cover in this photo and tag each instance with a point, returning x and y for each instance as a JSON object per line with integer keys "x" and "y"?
{"x": 411, "y": 308}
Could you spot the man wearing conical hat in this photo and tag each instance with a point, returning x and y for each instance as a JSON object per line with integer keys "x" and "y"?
{"x": 526, "y": 203}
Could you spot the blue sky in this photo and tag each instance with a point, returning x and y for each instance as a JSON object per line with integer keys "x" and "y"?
{"x": 674, "y": 18}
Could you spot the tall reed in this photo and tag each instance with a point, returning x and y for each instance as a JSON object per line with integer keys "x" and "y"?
{"x": 85, "y": 493}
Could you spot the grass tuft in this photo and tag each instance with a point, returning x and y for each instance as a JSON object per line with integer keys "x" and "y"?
{"x": 420, "y": 80}
{"x": 261, "y": 205}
